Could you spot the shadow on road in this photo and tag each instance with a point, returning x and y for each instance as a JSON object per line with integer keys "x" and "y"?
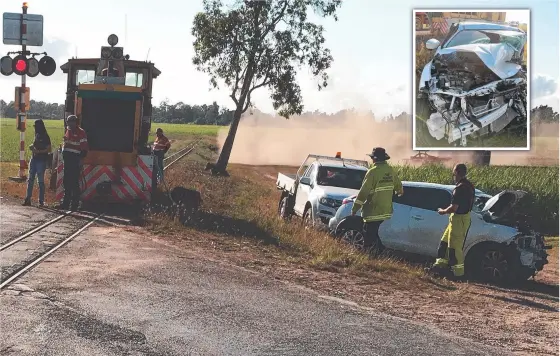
{"x": 525, "y": 302}
{"x": 216, "y": 223}
{"x": 528, "y": 289}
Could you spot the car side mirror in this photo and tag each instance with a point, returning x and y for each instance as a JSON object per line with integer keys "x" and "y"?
{"x": 432, "y": 44}
{"x": 305, "y": 181}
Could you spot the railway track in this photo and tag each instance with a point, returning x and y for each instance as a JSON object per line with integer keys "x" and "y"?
{"x": 22, "y": 253}
{"x": 173, "y": 158}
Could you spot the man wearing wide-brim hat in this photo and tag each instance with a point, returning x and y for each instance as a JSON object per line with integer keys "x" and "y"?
{"x": 376, "y": 197}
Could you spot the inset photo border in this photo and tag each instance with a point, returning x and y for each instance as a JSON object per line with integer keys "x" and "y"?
{"x": 471, "y": 79}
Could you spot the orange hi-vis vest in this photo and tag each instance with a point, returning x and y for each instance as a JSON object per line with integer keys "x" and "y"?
{"x": 161, "y": 144}
{"x": 75, "y": 141}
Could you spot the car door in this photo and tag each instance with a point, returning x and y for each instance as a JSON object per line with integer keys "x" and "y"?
{"x": 426, "y": 226}
{"x": 393, "y": 233}
{"x": 303, "y": 191}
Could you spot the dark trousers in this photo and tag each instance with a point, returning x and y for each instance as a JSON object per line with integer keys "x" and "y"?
{"x": 71, "y": 180}
{"x": 159, "y": 155}
{"x": 371, "y": 234}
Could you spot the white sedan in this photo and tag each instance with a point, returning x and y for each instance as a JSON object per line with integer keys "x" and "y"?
{"x": 496, "y": 247}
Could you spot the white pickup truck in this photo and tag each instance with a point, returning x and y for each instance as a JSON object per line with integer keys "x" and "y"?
{"x": 319, "y": 187}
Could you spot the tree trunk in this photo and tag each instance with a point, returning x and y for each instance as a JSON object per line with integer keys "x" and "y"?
{"x": 482, "y": 158}
{"x": 220, "y": 167}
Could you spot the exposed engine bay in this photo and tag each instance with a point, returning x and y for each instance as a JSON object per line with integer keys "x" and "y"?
{"x": 477, "y": 87}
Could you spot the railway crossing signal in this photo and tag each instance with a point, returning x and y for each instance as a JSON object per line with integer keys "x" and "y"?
{"x": 31, "y": 67}
{"x": 23, "y": 29}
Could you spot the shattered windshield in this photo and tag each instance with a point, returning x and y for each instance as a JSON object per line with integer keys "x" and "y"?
{"x": 513, "y": 38}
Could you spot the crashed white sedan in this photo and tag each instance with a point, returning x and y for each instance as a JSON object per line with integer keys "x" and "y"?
{"x": 476, "y": 82}
{"x": 499, "y": 245}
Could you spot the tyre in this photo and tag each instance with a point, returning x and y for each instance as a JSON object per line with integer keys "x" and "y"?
{"x": 283, "y": 210}
{"x": 351, "y": 236}
{"x": 492, "y": 263}
{"x": 307, "y": 220}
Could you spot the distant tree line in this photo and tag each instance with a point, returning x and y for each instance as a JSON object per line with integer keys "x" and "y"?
{"x": 213, "y": 114}
{"x": 178, "y": 113}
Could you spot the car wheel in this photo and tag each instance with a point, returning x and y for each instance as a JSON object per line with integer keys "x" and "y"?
{"x": 491, "y": 263}
{"x": 354, "y": 238}
{"x": 283, "y": 209}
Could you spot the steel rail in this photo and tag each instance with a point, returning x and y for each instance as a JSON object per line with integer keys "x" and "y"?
{"x": 38, "y": 260}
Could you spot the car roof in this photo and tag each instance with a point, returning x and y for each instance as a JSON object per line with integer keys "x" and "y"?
{"x": 340, "y": 165}
{"x": 448, "y": 187}
{"x": 470, "y": 25}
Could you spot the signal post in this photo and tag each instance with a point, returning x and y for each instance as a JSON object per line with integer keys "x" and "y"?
{"x": 25, "y": 30}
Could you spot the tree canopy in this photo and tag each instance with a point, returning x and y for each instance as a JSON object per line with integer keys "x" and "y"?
{"x": 251, "y": 44}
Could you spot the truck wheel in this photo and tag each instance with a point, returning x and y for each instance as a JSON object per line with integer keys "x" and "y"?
{"x": 307, "y": 220}
{"x": 283, "y": 210}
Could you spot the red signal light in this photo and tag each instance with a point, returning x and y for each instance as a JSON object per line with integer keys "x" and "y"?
{"x": 21, "y": 65}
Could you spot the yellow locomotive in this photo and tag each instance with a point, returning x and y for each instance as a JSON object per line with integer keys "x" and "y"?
{"x": 111, "y": 96}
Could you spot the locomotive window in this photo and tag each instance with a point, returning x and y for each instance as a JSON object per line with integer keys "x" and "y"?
{"x": 109, "y": 124}
{"x": 134, "y": 80}
{"x": 84, "y": 76}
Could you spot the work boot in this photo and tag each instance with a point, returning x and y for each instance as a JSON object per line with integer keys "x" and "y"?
{"x": 26, "y": 202}
{"x": 438, "y": 271}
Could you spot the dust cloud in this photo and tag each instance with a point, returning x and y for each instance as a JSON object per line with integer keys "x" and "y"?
{"x": 263, "y": 140}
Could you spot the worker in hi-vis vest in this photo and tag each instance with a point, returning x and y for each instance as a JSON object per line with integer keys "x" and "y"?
{"x": 450, "y": 251}
{"x": 376, "y": 197}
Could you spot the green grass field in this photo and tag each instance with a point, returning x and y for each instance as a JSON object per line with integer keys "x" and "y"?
{"x": 541, "y": 184}
{"x": 9, "y": 136}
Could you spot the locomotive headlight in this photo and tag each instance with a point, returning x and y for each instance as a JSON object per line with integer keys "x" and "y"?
{"x": 113, "y": 40}
{"x": 117, "y": 53}
{"x": 105, "y": 52}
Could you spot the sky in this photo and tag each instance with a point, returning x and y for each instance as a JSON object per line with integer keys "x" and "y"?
{"x": 371, "y": 45}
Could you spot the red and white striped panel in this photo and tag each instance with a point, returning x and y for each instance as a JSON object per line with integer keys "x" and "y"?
{"x": 135, "y": 181}
{"x": 442, "y": 26}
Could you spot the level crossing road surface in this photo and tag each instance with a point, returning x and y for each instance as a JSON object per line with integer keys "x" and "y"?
{"x": 118, "y": 291}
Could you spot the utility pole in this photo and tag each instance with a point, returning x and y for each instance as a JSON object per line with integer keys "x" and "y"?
{"x": 25, "y": 30}
{"x": 22, "y": 114}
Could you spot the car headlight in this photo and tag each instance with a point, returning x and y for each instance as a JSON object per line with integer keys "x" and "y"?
{"x": 330, "y": 202}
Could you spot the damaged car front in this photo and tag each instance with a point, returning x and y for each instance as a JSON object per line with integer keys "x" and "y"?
{"x": 476, "y": 83}
{"x": 523, "y": 251}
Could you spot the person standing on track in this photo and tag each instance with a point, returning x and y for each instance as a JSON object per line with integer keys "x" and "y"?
{"x": 450, "y": 251}
{"x": 74, "y": 150}
{"x": 376, "y": 197}
{"x": 161, "y": 146}
{"x": 40, "y": 149}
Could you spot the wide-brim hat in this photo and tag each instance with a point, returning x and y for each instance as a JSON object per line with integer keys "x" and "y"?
{"x": 379, "y": 154}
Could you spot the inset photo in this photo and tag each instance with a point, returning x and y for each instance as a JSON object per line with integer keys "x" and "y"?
{"x": 471, "y": 70}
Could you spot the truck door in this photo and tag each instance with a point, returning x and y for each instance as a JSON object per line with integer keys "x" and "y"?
{"x": 303, "y": 191}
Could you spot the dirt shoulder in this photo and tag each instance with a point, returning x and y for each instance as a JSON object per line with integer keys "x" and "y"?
{"x": 240, "y": 227}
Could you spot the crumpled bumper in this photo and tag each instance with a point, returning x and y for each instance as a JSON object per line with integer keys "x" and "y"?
{"x": 532, "y": 252}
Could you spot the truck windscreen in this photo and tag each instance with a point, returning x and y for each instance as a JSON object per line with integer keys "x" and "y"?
{"x": 109, "y": 123}
{"x": 340, "y": 177}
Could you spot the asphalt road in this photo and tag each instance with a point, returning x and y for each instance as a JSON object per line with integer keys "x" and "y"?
{"x": 116, "y": 292}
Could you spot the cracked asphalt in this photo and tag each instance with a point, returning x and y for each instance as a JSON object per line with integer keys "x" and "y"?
{"x": 117, "y": 291}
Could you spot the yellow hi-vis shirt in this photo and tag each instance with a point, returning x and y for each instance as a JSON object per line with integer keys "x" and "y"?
{"x": 376, "y": 194}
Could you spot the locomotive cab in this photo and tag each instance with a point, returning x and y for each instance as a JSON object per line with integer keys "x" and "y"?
{"x": 111, "y": 96}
